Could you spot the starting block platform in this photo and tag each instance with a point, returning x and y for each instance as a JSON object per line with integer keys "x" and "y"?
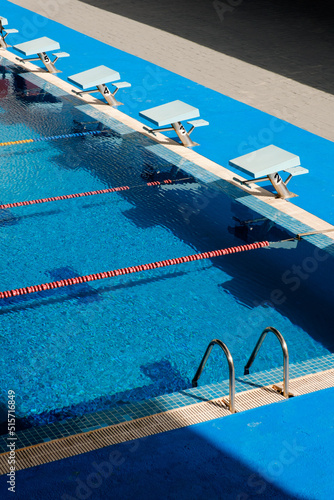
{"x": 268, "y": 162}
{"x": 98, "y": 77}
{"x": 4, "y": 32}
{"x": 40, "y": 46}
{"x": 173, "y": 113}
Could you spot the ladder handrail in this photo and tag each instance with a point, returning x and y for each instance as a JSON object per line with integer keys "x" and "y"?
{"x": 230, "y": 366}
{"x": 285, "y": 357}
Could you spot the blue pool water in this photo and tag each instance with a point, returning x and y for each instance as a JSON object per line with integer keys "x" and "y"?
{"x": 129, "y": 338}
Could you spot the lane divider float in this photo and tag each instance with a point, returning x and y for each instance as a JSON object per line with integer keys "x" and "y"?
{"x": 89, "y": 193}
{"x": 132, "y": 269}
{"x": 54, "y": 137}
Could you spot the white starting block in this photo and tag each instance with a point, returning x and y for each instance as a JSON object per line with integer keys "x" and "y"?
{"x": 172, "y": 114}
{"x": 268, "y": 162}
{"x": 40, "y": 46}
{"x": 4, "y": 32}
{"x": 98, "y": 77}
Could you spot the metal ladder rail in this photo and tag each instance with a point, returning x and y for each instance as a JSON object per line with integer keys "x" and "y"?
{"x": 230, "y": 366}
{"x": 285, "y": 357}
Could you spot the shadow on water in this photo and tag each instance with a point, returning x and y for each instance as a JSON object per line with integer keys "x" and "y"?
{"x": 61, "y": 295}
{"x": 165, "y": 379}
{"x": 84, "y": 292}
{"x": 7, "y": 218}
{"x": 293, "y": 39}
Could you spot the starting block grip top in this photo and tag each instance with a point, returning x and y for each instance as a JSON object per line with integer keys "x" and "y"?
{"x": 265, "y": 161}
{"x": 172, "y": 112}
{"x": 37, "y": 46}
{"x": 94, "y": 77}
{"x": 3, "y": 21}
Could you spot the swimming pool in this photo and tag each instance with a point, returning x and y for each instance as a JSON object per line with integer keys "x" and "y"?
{"x": 84, "y": 347}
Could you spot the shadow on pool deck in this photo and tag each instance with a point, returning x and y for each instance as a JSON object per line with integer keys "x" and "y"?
{"x": 179, "y": 464}
{"x": 293, "y": 39}
{"x": 269, "y": 452}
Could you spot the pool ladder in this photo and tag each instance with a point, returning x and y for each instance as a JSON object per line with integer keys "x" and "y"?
{"x": 248, "y": 364}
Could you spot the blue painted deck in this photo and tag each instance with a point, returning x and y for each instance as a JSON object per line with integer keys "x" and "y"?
{"x": 282, "y": 451}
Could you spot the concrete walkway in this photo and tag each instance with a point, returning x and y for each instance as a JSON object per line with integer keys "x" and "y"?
{"x": 276, "y": 57}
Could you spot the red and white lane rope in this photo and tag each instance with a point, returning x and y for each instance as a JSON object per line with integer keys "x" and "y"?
{"x": 132, "y": 269}
{"x": 88, "y": 193}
